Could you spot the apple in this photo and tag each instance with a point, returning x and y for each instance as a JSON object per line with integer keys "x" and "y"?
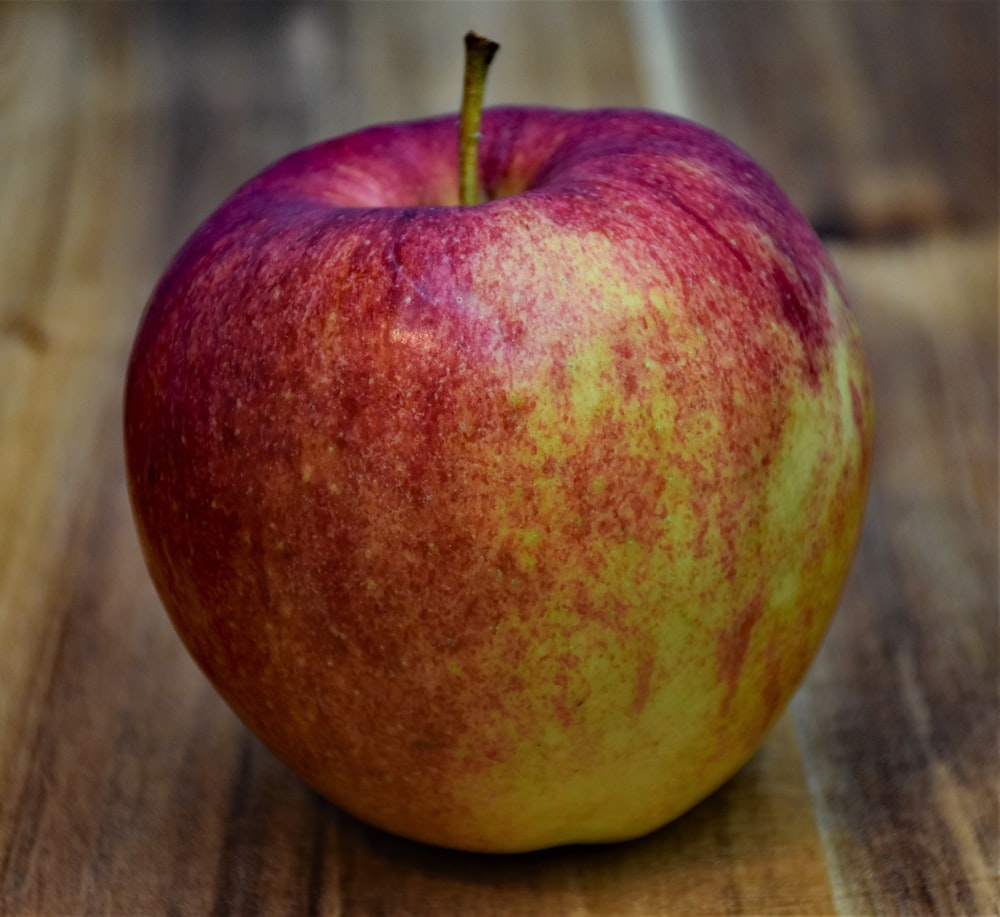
{"x": 507, "y": 525}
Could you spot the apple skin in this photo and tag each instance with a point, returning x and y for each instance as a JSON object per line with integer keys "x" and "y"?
{"x": 512, "y": 525}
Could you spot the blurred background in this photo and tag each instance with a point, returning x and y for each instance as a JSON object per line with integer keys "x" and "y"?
{"x": 127, "y": 787}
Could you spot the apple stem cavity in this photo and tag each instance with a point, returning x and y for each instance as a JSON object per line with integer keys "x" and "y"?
{"x": 479, "y": 53}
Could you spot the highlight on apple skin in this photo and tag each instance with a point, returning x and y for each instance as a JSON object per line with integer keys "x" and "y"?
{"x": 508, "y": 525}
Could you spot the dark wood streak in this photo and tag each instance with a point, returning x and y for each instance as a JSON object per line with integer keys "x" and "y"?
{"x": 324, "y": 820}
{"x": 239, "y": 863}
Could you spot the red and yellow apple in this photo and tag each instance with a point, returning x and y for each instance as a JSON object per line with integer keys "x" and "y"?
{"x": 507, "y": 525}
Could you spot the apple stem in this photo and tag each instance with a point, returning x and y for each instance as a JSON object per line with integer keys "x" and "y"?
{"x": 479, "y": 53}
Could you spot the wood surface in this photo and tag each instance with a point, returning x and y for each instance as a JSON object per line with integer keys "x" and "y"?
{"x": 127, "y": 787}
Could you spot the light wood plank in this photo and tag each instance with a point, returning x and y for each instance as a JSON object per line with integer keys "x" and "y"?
{"x": 72, "y": 267}
{"x": 899, "y": 717}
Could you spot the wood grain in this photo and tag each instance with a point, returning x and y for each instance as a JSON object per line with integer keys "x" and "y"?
{"x": 900, "y": 714}
{"x": 878, "y": 119}
{"x": 127, "y": 787}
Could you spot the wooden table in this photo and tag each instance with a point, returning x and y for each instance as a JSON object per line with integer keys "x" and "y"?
{"x": 127, "y": 787}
